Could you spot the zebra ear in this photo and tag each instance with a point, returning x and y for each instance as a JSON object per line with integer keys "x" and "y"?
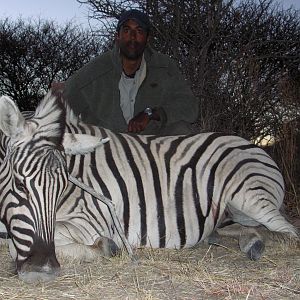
{"x": 11, "y": 120}
{"x": 81, "y": 143}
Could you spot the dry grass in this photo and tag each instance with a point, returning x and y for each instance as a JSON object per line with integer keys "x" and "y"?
{"x": 206, "y": 272}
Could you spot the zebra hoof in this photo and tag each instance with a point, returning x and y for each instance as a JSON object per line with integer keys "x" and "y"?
{"x": 114, "y": 249}
{"x": 256, "y": 250}
{"x": 107, "y": 247}
{"x": 213, "y": 239}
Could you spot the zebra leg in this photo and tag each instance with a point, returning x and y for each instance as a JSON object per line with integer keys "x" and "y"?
{"x": 250, "y": 240}
{"x": 69, "y": 243}
{"x": 213, "y": 239}
{"x": 106, "y": 246}
{"x": 12, "y": 249}
{"x": 87, "y": 253}
{"x": 251, "y": 243}
{"x": 266, "y": 214}
{"x": 3, "y": 230}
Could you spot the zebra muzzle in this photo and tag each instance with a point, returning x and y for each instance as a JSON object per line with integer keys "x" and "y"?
{"x": 40, "y": 266}
{"x": 35, "y": 274}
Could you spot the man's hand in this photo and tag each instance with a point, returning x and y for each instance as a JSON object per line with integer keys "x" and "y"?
{"x": 57, "y": 88}
{"x": 138, "y": 123}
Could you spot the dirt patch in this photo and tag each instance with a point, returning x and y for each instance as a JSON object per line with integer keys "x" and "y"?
{"x": 206, "y": 272}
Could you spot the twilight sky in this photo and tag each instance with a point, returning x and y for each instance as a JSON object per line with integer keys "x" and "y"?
{"x": 63, "y": 11}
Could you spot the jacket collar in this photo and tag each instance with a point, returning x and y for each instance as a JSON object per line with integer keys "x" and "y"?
{"x": 148, "y": 55}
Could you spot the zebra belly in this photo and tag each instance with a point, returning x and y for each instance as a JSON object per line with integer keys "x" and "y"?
{"x": 174, "y": 239}
{"x": 178, "y": 222}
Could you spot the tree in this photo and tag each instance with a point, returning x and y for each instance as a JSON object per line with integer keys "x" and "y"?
{"x": 34, "y": 54}
{"x": 234, "y": 53}
{"x": 241, "y": 57}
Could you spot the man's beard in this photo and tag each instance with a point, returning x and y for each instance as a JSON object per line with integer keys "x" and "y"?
{"x": 132, "y": 50}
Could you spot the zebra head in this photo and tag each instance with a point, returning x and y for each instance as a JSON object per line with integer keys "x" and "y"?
{"x": 33, "y": 177}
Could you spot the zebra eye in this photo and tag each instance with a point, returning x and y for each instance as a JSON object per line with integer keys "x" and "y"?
{"x": 20, "y": 186}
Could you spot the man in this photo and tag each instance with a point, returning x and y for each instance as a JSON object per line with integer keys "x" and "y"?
{"x": 133, "y": 88}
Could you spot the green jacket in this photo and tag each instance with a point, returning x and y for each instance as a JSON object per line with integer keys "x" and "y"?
{"x": 93, "y": 92}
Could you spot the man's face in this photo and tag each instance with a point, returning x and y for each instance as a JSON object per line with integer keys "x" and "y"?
{"x": 132, "y": 40}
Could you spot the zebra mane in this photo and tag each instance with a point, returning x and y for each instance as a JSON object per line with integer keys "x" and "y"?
{"x": 50, "y": 117}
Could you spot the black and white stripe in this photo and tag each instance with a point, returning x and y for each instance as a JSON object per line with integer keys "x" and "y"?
{"x": 173, "y": 191}
{"x": 33, "y": 176}
{"x": 169, "y": 192}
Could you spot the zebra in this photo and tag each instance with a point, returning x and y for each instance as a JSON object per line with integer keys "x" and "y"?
{"x": 168, "y": 192}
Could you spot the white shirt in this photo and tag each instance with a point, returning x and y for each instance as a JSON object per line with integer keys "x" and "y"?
{"x": 128, "y": 88}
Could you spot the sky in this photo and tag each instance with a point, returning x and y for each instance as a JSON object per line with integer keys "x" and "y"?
{"x": 60, "y": 11}
{"x": 63, "y": 11}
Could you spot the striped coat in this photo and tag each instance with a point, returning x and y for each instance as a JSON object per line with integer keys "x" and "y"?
{"x": 174, "y": 191}
{"x": 169, "y": 192}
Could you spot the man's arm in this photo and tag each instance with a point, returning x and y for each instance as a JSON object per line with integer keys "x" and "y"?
{"x": 57, "y": 88}
{"x": 180, "y": 103}
{"x": 166, "y": 90}
{"x": 139, "y": 122}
